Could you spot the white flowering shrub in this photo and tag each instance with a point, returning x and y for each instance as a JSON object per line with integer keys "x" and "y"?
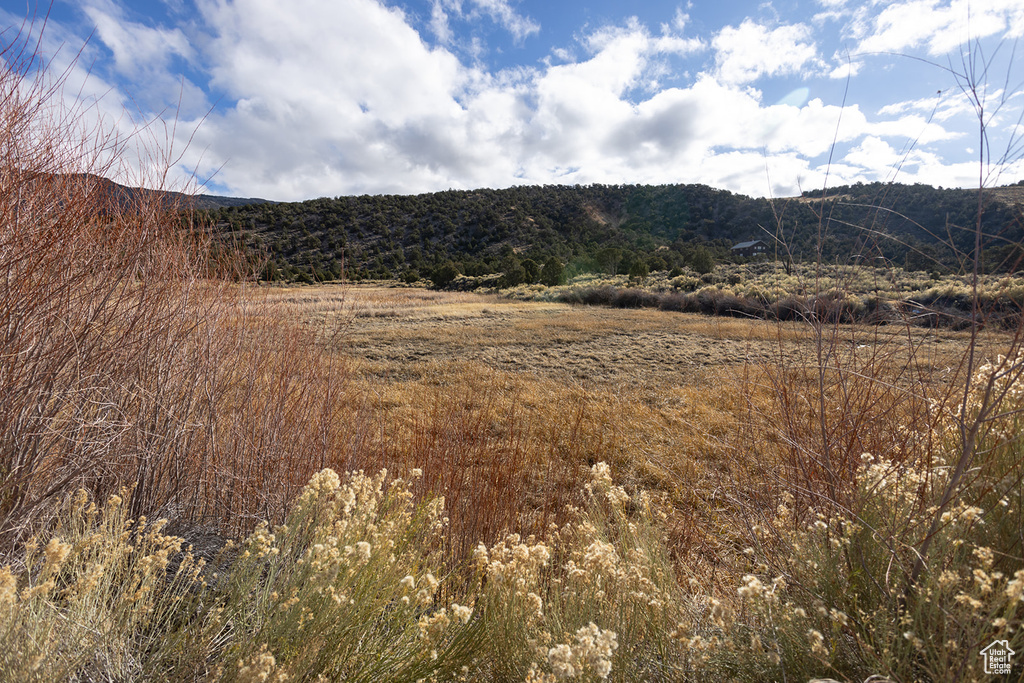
{"x": 850, "y": 589}
{"x": 345, "y": 588}
{"x": 353, "y": 586}
{"x": 95, "y": 599}
{"x": 595, "y": 600}
{"x": 350, "y": 586}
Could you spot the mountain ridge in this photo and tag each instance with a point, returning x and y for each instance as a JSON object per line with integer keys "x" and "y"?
{"x": 616, "y": 228}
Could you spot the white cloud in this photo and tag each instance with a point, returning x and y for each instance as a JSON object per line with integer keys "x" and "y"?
{"x": 498, "y": 11}
{"x": 328, "y": 97}
{"x": 465, "y": 128}
{"x": 330, "y": 61}
{"x": 138, "y": 49}
{"x": 439, "y": 23}
{"x": 680, "y": 20}
{"x": 880, "y": 160}
{"x": 914, "y": 128}
{"x": 346, "y": 97}
{"x": 90, "y": 121}
{"x": 145, "y": 55}
{"x": 751, "y": 51}
{"x": 938, "y": 26}
{"x": 943, "y": 106}
{"x": 502, "y": 13}
{"x": 846, "y": 70}
{"x": 377, "y": 103}
{"x": 562, "y": 54}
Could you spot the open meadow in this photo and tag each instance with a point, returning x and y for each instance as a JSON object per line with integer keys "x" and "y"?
{"x": 388, "y": 482}
{"x": 206, "y": 478}
{"x": 680, "y": 403}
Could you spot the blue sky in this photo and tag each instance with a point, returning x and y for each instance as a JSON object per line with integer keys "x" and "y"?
{"x": 308, "y": 98}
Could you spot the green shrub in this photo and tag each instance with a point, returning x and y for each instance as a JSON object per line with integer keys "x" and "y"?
{"x": 443, "y": 275}
{"x": 553, "y": 273}
{"x": 531, "y": 271}
{"x": 638, "y": 270}
{"x": 701, "y": 260}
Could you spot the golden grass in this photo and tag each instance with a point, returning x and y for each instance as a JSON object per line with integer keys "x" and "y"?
{"x": 785, "y": 501}
{"x": 502, "y": 407}
{"x": 356, "y": 301}
{"x": 684, "y": 404}
{"x": 678, "y": 403}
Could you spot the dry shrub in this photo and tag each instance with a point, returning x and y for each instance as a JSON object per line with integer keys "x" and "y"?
{"x": 883, "y": 531}
{"x": 127, "y": 355}
{"x": 480, "y": 446}
{"x": 863, "y": 391}
{"x": 634, "y": 298}
{"x": 131, "y": 358}
{"x": 101, "y": 292}
{"x": 885, "y": 539}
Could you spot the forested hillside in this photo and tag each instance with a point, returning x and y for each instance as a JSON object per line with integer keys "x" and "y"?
{"x": 518, "y": 231}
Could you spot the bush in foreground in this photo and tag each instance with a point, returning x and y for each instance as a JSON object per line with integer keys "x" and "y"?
{"x": 354, "y": 586}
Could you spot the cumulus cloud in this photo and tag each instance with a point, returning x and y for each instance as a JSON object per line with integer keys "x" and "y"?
{"x": 878, "y": 159}
{"x": 750, "y": 51}
{"x": 327, "y": 95}
{"x": 379, "y": 110}
{"x": 938, "y": 26}
{"x": 348, "y": 97}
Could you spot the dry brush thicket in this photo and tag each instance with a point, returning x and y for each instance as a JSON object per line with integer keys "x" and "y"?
{"x": 849, "y": 509}
{"x": 773, "y": 290}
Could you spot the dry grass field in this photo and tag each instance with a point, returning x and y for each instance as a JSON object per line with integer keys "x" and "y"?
{"x": 208, "y": 480}
{"x": 562, "y": 492}
{"x": 400, "y": 331}
{"x": 633, "y": 494}
{"x": 673, "y": 400}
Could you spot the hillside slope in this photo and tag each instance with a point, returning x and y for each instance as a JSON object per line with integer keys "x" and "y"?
{"x": 611, "y": 228}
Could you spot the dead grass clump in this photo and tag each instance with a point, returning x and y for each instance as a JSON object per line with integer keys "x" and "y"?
{"x": 634, "y": 298}
{"x": 477, "y": 444}
{"x": 856, "y": 395}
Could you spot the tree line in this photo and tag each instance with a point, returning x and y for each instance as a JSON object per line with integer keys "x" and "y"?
{"x": 547, "y": 233}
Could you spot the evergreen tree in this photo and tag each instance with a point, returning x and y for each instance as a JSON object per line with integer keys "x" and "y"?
{"x": 443, "y": 275}
{"x": 531, "y": 271}
{"x": 553, "y": 272}
{"x": 701, "y": 260}
{"x": 638, "y": 270}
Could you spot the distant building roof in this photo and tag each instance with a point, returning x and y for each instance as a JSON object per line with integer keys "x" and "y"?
{"x": 747, "y": 245}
